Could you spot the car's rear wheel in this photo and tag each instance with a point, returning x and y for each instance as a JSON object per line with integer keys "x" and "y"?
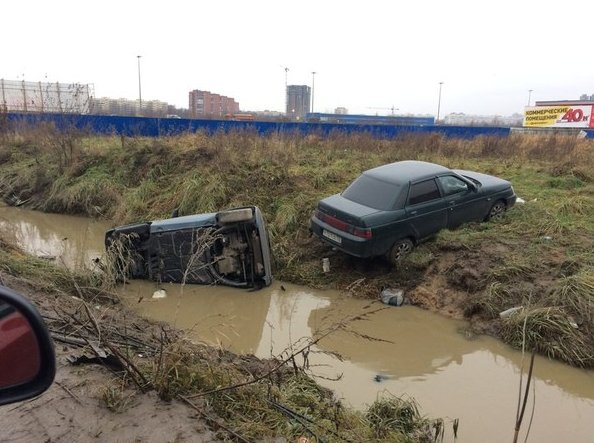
{"x": 399, "y": 250}
{"x": 496, "y": 210}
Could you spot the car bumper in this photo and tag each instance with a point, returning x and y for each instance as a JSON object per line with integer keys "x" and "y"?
{"x": 343, "y": 241}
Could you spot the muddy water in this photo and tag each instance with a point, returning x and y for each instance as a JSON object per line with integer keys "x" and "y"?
{"x": 74, "y": 241}
{"x": 397, "y": 350}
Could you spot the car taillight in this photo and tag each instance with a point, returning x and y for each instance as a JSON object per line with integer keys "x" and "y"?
{"x": 342, "y": 225}
{"x": 362, "y": 232}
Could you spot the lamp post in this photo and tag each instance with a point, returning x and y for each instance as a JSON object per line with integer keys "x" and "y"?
{"x": 286, "y": 92}
{"x": 313, "y": 85}
{"x": 139, "y": 87}
{"x": 439, "y": 102}
{"x": 529, "y": 95}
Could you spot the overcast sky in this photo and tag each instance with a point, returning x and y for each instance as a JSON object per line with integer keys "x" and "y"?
{"x": 367, "y": 54}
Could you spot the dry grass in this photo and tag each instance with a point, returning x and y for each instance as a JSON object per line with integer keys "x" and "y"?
{"x": 392, "y": 418}
{"x": 552, "y": 332}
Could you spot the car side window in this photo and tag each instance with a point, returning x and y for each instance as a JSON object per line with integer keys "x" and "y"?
{"x": 423, "y": 192}
{"x": 452, "y": 185}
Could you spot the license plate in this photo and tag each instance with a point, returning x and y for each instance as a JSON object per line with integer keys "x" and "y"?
{"x": 331, "y": 236}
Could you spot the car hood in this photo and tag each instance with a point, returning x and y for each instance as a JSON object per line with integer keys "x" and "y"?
{"x": 488, "y": 181}
{"x": 346, "y": 210}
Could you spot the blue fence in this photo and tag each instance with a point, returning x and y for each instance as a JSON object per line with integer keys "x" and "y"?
{"x": 155, "y": 127}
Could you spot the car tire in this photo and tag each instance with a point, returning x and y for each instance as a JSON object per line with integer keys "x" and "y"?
{"x": 400, "y": 249}
{"x": 496, "y": 210}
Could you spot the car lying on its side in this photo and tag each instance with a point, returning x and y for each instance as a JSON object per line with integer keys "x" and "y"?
{"x": 389, "y": 209}
{"x": 229, "y": 247}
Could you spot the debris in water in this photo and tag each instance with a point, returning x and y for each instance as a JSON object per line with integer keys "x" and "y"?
{"x": 392, "y": 297}
{"x": 378, "y": 378}
{"x": 160, "y": 293}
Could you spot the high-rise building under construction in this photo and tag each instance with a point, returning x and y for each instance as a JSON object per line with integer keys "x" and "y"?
{"x": 298, "y": 101}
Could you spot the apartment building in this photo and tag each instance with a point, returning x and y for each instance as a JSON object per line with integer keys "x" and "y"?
{"x": 208, "y": 104}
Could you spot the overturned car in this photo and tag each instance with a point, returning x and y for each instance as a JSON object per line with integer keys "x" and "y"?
{"x": 229, "y": 247}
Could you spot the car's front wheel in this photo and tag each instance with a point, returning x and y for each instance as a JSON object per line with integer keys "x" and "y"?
{"x": 496, "y": 210}
{"x": 400, "y": 249}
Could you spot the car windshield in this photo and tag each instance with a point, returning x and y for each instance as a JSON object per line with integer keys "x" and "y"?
{"x": 372, "y": 192}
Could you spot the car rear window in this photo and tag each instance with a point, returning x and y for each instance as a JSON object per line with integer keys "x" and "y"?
{"x": 374, "y": 193}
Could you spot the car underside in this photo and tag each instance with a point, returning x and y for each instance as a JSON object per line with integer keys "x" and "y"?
{"x": 229, "y": 247}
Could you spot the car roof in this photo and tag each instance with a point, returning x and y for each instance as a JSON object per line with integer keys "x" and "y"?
{"x": 405, "y": 171}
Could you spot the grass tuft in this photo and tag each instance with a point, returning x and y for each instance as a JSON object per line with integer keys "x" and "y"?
{"x": 552, "y": 332}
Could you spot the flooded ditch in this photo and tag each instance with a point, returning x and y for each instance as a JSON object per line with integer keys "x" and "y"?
{"x": 404, "y": 351}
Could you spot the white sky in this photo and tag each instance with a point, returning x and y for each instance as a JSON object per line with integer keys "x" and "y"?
{"x": 367, "y": 54}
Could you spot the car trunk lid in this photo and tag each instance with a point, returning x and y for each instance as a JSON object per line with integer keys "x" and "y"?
{"x": 345, "y": 210}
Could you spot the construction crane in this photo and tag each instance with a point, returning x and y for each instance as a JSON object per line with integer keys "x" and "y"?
{"x": 385, "y": 109}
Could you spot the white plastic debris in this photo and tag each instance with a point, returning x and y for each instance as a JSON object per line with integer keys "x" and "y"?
{"x": 520, "y": 201}
{"x": 326, "y": 265}
{"x": 509, "y": 312}
{"x": 160, "y": 293}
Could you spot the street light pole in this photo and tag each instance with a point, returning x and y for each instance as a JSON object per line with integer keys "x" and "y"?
{"x": 313, "y": 84}
{"x": 286, "y": 92}
{"x": 439, "y": 102}
{"x": 139, "y": 87}
{"x": 529, "y": 95}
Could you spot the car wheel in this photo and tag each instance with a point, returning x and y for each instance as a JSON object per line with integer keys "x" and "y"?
{"x": 496, "y": 210}
{"x": 401, "y": 248}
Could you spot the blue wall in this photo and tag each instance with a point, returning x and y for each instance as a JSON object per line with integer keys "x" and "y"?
{"x": 154, "y": 127}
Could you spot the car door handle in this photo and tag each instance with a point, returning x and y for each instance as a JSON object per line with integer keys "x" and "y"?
{"x": 413, "y": 212}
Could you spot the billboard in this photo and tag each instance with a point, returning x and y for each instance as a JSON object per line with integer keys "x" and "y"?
{"x": 563, "y": 116}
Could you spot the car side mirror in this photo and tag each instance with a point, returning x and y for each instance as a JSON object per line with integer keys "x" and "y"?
{"x": 27, "y": 358}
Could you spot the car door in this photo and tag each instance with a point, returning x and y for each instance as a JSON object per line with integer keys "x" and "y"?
{"x": 463, "y": 202}
{"x": 426, "y": 211}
